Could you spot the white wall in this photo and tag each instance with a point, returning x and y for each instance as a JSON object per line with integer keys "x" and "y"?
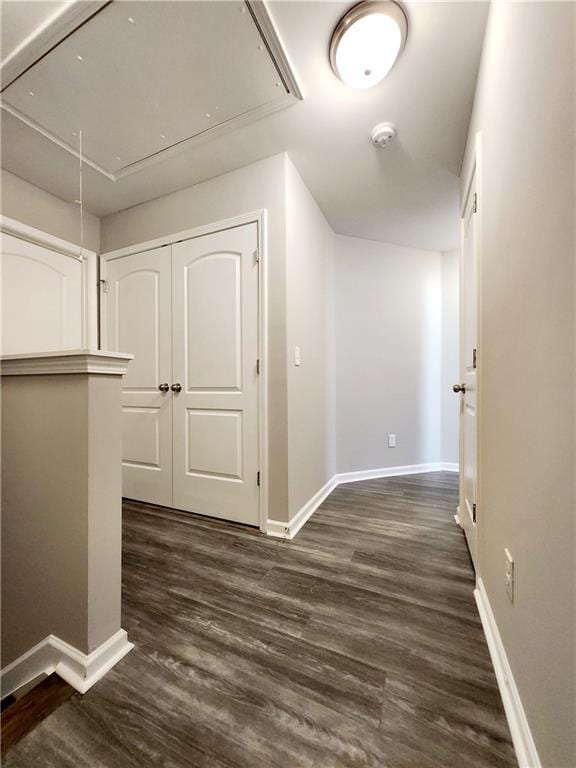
{"x": 388, "y": 354}
{"x": 61, "y": 510}
{"x": 325, "y": 416}
{"x": 300, "y": 261}
{"x": 310, "y": 319}
{"x": 248, "y": 189}
{"x": 450, "y": 440}
{"x": 31, "y": 205}
{"x": 401, "y": 382}
{"x": 525, "y": 110}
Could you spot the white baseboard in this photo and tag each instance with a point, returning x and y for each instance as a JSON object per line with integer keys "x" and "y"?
{"x": 524, "y": 745}
{"x": 449, "y": 466}
{"x": 289, "y": 530}
{"x": 50, "y": 655}
{"x": 278, "y": 529}
{"x": 374, "y": 474}
{"x": 40, "y": 659}
{"x": 457, "y": 516}
{"x": 283, "y": 530}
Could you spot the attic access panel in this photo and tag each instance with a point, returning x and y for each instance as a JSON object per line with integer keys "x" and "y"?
{"x": 143, "y": 79}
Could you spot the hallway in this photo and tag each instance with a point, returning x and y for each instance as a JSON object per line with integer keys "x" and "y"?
{"x": 339, "y": 648}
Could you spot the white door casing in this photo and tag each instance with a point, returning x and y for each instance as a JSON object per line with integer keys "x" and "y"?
{"x": 469, "y": 372}
{"x": 215, "y": 352}
{"x": 138, "y": 319}
{"x": 42, "y": 298}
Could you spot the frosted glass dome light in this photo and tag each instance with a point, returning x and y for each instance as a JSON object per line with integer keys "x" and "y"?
{"x": 367, "y": 42}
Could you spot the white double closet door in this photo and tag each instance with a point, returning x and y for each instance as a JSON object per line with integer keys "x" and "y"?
{"x": 188, "y": 313}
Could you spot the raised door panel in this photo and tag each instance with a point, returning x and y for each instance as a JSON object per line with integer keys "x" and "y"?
{"x": 138, "y": 327}
{"x": 214, "y": 443}
{"x": 42, "y": 298}
{"x": 141, "y": 436}
{"x": 215, "y": 349}
{"x": 138, "y": 320}
{"x": 214, "y": 322}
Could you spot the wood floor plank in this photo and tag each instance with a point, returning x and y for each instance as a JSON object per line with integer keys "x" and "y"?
{"x": 26, "y": 713}
{"x": 356, "y": 645}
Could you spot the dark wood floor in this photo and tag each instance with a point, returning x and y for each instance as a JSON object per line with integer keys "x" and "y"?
{"x": 21, "y": 715}
{"x": 356, "y": 644}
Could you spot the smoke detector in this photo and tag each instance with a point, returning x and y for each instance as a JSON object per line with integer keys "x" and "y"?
{"x": 383, "y": 134}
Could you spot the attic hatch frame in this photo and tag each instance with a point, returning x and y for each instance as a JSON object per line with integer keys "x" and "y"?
{"x": 81, "y": 12}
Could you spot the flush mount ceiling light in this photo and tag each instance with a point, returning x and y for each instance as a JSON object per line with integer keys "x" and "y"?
{"x": 367, "y": 42}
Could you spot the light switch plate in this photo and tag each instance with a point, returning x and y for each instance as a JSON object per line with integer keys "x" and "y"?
{"x": 391, "y": 441}
{"x": 296, "y": 355}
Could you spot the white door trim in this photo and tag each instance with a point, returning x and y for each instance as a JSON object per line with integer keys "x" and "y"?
{"x": 88, "y": 259}
{"x": 187, "y": 234}
{"x": 259, "y": 217}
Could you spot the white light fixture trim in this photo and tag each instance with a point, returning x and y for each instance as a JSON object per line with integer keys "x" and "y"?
{"x": 367, "y": 42}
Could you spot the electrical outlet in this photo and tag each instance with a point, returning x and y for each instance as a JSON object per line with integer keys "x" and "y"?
{"x": 391, "y": 441}
{"x": 509, "y": 575}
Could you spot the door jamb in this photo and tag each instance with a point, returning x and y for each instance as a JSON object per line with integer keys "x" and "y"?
{"x": 258, "y": 217}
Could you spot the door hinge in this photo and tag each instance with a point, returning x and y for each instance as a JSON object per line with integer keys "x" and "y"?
{"x": 474, "y": 358}
{"x": 103, "y": 285}
{"x": 257, "y": 256}
{"x": 475, "y": 207}
{"x": 258, "y": 479}
{"x": 473, "y": 513}
{"x": 258, "y": 367}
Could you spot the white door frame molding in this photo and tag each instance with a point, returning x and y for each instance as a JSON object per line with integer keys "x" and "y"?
{"x": 43, "y": 239}
{"x": 259, "y": 217}
{"x": 474, "y": 174}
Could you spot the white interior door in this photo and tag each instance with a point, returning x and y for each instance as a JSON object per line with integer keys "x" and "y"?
{"x": 42, "y": 296}
{"x": 468, "y": 384}
{"x": 138, "y": 320}
{"x": 215, "y": 350}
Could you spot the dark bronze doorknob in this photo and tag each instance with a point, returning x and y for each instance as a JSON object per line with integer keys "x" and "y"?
{"x": 176, "y": 387}
{"x": 459, "y": 388}
{"x": 164, "y": 387}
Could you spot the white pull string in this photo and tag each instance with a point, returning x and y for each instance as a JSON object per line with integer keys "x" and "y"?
{"x": 81, "y": 196}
